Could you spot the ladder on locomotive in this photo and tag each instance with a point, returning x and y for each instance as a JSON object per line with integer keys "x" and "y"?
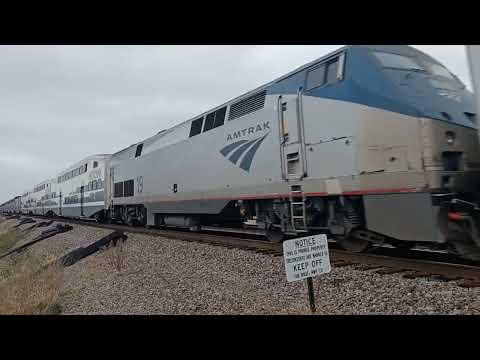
{"x": 297, "y": 208}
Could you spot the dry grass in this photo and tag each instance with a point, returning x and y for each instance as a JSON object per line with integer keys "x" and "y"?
{"x": 9, "y": 236}
{"x": 31, "y": 288}
{"x": 116, "y": 255}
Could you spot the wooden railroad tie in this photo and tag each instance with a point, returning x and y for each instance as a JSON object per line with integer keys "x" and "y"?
{"x": 343, "y": 263}
{"x": 417, "y": 274}
{"x": 388, "y": 271}
{"x": 469, "y": 283}
{"x": 366, "y": 267}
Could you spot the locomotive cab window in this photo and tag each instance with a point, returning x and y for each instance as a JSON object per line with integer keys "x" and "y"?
{"x": 327, "y": 73}
{"x": 331, "y": 72}
{"x": 95, "y": 164}
{"x": 316, "y": 77}
{"x": 196, "y": 127}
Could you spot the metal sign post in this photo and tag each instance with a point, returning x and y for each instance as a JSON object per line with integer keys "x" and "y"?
{"x": 311, "y": 295}
{"x": 305, "y": 258}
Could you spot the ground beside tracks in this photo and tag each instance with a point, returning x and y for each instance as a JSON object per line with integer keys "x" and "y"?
{"x": 154, "y": 275}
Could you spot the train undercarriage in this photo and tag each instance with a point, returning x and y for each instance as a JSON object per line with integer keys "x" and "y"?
{"x": 342, "y": 218}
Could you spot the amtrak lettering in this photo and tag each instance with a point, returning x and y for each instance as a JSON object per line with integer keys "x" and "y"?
{"x": 251, "y": 130}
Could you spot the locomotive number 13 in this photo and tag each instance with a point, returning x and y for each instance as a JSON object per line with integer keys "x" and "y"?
{"x": 140, "y": 184}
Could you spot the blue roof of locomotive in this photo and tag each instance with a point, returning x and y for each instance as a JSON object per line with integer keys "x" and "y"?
{"x": 367, "y": 82}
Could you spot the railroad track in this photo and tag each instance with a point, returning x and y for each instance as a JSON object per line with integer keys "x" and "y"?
{"x": 411, "y": 264}
{"x": 208, "y": 236}
{"x": 464, "y": 275}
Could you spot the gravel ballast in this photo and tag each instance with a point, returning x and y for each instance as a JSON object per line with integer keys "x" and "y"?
{"x": 165, "y": 276}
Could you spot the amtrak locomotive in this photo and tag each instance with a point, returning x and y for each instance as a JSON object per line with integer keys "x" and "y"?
{"x": 369, "y": 144}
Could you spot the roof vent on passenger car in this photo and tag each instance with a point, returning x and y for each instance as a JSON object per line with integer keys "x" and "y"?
{"x": 247, "y": 105}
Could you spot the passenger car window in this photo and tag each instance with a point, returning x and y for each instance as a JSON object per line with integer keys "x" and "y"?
{"x": 196, "y": 127}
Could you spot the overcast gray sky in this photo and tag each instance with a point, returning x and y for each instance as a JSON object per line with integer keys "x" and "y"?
{"x": 59, "y": 104}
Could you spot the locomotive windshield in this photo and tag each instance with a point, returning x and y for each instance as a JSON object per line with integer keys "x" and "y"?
{"x": 427, "y": 85}
{"x": 395, "y": 61}
{"x": 439, "y": 70}
{"x": 401, "y": 62}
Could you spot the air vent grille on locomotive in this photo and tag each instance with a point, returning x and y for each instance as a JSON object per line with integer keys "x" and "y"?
{"x": 248, "y": 105}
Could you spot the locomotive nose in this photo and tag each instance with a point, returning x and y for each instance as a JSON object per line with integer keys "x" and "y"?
{"x": 451, "y": 155}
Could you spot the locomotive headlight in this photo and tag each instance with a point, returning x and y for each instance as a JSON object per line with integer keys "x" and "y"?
{"x": 450, "y": 136}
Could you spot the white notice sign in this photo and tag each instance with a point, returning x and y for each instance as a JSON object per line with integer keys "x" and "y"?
{"x": 306, "y": 257}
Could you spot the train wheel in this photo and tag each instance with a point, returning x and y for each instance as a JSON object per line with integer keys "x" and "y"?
{"x": 274, "y": 235}
{"x": 130, "y": 221}
{"x": 465, "y": 250}
{"x": 353, "y": 243}
{"x": 196, "y": 228}
{"x": 460, "y": 242}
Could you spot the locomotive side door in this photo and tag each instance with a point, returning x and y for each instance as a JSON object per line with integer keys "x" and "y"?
{"x": 292, "y": 138}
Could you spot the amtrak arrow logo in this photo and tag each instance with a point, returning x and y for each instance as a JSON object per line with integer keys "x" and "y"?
{"x": 235, "y": 151}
